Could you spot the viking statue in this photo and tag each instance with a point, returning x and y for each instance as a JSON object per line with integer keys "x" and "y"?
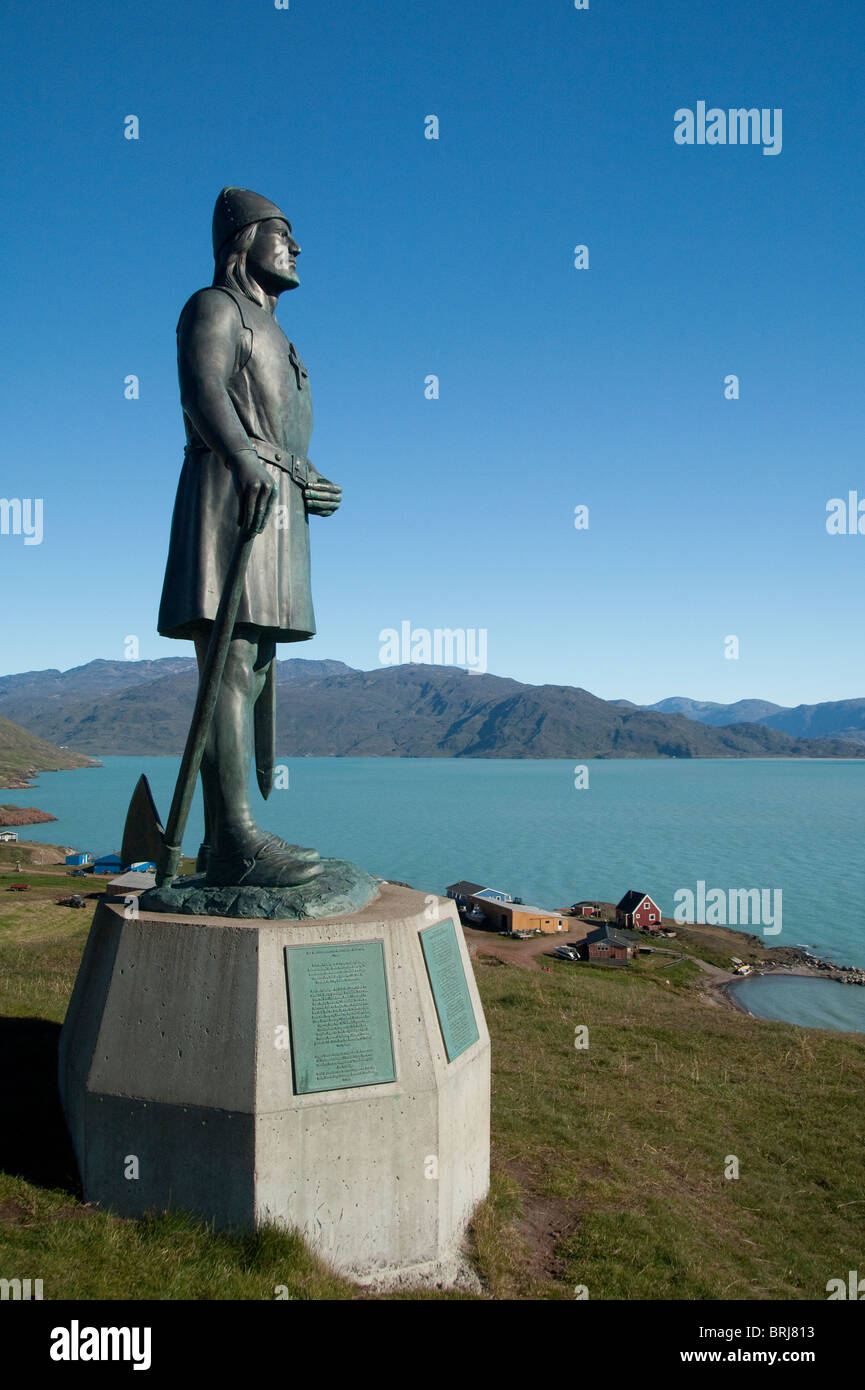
{"x": 246, "y": 407}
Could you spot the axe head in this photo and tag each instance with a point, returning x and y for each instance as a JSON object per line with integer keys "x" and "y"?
{"x": 143, "y": 835}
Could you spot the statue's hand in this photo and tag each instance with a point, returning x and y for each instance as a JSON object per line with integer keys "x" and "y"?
{"x": 256, "y": 490}
{"x": 321, "y": 496}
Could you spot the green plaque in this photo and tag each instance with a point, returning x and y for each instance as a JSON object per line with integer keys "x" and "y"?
{"x": 450, "y": 991}
{"x": 339, "y": 1016}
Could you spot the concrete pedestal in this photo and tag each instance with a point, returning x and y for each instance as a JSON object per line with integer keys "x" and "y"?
{"x": 182, "y": 1084}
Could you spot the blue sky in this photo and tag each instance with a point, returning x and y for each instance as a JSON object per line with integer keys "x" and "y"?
{"x": 454, "y": 257}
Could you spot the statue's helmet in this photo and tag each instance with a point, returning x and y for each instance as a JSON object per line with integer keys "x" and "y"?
{"x": 237, "y": 208}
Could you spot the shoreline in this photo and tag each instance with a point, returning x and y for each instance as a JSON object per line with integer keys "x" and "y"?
{"x": 720, "y": 990}
{"x": 96, "y": 759}
{"x": 27, "y": 779}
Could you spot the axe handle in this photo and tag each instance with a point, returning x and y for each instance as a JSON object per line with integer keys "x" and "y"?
{"x": 205, "y": 704}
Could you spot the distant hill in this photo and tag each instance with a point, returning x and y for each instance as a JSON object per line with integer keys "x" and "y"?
{"x": 834, "y": 718}
{"x": 329, "y": 709}
{"x": 23, "y": 754}
{"x": 706, "y": 712}
{"x": 94, "y": 707}
{"x": 96, "y": 678}
{"x": 843, "y": 719}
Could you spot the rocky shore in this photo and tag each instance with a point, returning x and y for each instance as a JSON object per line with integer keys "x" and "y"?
{"x": 23, "y": 815}
{"x": 790, "y": 961}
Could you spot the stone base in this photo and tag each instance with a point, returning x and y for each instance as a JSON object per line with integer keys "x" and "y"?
{"x": 179, "y": 1081}
{"x": 455, "y": 1272}
{"x": 340, "y": 888}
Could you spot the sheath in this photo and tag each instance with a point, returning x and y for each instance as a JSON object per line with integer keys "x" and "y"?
{"x": 269, "y": 390}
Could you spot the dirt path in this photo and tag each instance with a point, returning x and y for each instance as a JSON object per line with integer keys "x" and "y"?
{"x": 528, "y": 955}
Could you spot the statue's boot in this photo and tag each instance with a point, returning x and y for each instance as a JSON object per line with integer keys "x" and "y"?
{"x": 236, "y": 852}
{"x": 205, "y": 852}
{"x": 263, "y": 861}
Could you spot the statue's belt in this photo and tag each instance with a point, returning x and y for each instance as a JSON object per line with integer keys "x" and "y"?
{"x": 295, "y": 465}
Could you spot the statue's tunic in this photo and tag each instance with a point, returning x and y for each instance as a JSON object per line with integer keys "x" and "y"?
{"x": 269, "y": 390}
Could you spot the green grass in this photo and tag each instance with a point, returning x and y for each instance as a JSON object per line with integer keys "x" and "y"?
{"x": 627, "y": 1140}
{"x": 56, "y": 882}
{"x": 92, "y": 1255}
{"x": 608, "y": 1162}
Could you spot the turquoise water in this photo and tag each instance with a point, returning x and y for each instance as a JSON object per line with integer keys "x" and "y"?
{"x": 796, "y": 999}
{"x": 522, "y": 826}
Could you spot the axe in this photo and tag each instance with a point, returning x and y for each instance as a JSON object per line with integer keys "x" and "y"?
{"x": 143, "y": 835}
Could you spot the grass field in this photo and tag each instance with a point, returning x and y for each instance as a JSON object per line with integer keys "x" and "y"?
{"x": 608, "y": 1160}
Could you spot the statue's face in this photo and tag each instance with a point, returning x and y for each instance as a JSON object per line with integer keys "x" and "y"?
{"x": 272, "y": 257}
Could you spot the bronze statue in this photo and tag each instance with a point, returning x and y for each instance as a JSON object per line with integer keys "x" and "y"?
{"x": 246, "y": 407}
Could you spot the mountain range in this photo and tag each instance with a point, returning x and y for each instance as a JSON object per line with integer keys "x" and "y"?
{"x": 832, "y": 719}
{"x": 329, "y": 709}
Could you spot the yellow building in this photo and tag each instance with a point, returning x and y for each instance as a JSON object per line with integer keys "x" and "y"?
{"x": 519, "y": 917}
{"x": 536, "y": 919}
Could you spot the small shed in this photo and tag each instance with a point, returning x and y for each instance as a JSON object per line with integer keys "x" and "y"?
{"x": 109, "y": 864}
{"x": 9, "y": 836}
{"x": 605, "y": 943}
{"x": 79, "y": 856}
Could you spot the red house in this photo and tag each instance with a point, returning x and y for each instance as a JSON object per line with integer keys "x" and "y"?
{"x": 639, "y": 911}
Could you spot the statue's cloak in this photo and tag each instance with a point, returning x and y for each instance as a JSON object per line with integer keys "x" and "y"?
{"x": 269, "y": 391}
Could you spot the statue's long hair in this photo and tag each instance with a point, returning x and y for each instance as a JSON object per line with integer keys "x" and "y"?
{"x": 230, "y": 267}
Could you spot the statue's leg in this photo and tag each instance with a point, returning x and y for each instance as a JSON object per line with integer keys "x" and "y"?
{"x": 262, "y": 674}
{"x": 239, "y": 851}
{"x": 264, "y": 716}
{"x": 204, "y": 847}
{"x": 225, "y": 765}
